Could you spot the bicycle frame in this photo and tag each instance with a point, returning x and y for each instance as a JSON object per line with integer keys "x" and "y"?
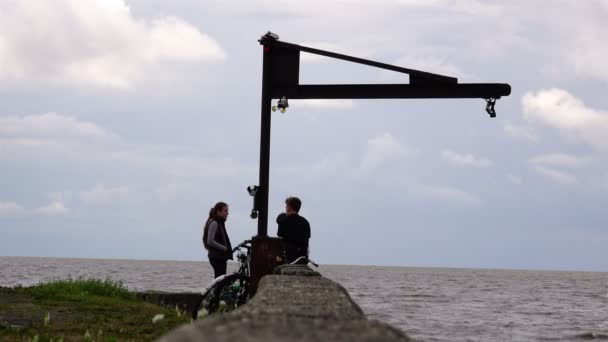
{"x": 244, "y": 264}
{"x": 228, "y": 291}
{"x": 244, "y": 260}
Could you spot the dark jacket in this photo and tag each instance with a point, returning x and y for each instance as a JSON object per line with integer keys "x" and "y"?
{"x": 295, "y": 231}
{"x": 221, "y": 238}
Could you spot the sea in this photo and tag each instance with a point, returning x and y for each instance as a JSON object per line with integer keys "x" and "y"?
{"x": 428, "y": 304}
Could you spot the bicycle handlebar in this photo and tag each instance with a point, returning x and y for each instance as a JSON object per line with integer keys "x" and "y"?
{"x": 244, "y": 244}
{"x": 308, "y": 261}
{"x": 247, "y": 244}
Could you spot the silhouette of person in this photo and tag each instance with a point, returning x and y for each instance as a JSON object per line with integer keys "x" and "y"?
{"x": 295, "y": 231}
{"x": 215, "y": 238}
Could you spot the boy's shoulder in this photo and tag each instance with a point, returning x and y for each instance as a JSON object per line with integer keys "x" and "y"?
{"x": 302, "y": 219}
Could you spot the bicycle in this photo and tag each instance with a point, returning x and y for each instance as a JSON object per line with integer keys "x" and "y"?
{"x": 227, "y": 292}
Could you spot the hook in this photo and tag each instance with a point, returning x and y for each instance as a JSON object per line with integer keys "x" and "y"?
{"x": 491, "y": 101}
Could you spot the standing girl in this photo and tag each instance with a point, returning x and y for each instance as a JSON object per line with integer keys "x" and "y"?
{"x": 215, "y": 238}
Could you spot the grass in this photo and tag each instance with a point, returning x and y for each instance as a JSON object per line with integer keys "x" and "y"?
{"x": 82, "y": 310}
{"x": 80, "y": 290}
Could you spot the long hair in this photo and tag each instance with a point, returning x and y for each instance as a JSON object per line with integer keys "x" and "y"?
{"x": 213, "y": 215}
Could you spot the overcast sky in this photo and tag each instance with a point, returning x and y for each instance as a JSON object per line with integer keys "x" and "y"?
{"x": 123, "y": 122}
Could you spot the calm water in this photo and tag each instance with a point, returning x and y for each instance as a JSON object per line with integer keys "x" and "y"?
{"x": 429, "y": 304}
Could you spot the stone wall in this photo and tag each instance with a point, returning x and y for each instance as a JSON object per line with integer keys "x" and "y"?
{"x": 294, "y": 304}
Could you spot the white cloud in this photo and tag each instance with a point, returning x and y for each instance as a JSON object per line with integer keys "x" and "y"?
{"x": 361, "y": 7}
{"x": 588, "y": 52}
{"x": 309, "y": 57}
{"x": 514, "y": 179}
{"x": 546, "y": 165}
{"x": 445, "y": 193}
{"x": 466, "y": 159}
{"x": 172, "y": 190}
{"x": 61, "y": 139}
{"x": 333, "y": 165}
{"x": 434, "y": 64}
{"x": 383, "y": 148}
{"x": 34, "y": 128}
{"x": 177, "y": 165}
{"x": 560, "y": 177}
{"x": 526, "y": 133}
{"x": 101, "y": 194}
{"x": 55, "y": 208}
{"x": 560, "y": 159}
{"x": 338, "y": 164}
{"x": 559, "y": 109}
{"x": 60, "y": 196}
{"x": 93, "y": 42}
{"x": 8, "y": 209}
{"x": 49, "y": 135}
{"x": 471, "y": 7}
{"x": 323, "y": 104}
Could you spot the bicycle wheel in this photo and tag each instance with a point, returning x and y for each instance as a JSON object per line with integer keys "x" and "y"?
{"x": 226, "y": 295}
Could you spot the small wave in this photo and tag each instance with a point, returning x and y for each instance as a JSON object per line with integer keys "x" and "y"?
{"x": 591, "y": 336}
{"x": 421, "y": 295}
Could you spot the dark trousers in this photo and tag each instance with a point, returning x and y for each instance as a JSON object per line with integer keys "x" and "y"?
{"x": 293, "y": 252}
{"x": 219, "y": 266}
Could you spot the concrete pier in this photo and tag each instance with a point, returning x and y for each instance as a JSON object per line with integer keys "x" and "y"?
{"x": 293, "y": 304}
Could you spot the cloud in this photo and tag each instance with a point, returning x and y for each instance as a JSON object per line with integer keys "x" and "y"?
{"x": 55, "y": 208}
{"x": 60, "y": 196}
{"x": 309, "y": 57}
{"x": 384, "y": 148}
{"x": 362, "y": 8}
{"x": 445, "y": 193}
{"x": 61, "y": 139}
{"x": 91, "y": 42}
{"x": 50, "y": 134}
{"x": 588, "y": 52}
{"x": 174, "y": 163}
{"x": 560, "y": 177}
{"x": 546, "y": 165}
{"x": 101, "y": 194}
{"x": 514, "y": 179}
{"x": 171, "y": 191}
{"x": 470, "y": 7}
{"x": 49, "y": 126}
{"x": 591, "y": 57}
{"x": 559, "y": 109}
{"x": 464, "y": 160}
{"x": 56, "y": 134}
{"x": 10, "y": 209}
{"x": 560, "y": 159}
{"x": 337, "y": 164}
{"x": 526, "y": 133}
{"x": 323, "y": 104}
{"x": 434, "y": 64}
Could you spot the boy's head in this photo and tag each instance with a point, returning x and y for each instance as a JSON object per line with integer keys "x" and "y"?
{"x": 292, "y": 205}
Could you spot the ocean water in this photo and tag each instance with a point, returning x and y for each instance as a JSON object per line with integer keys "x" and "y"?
{"x": 429, "y": 304}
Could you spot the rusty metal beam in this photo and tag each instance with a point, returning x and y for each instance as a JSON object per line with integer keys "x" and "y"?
{"x": 392, "y": 91}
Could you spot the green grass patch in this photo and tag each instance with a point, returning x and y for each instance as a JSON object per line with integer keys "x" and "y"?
{"x": 82, "y": 310}
{"x": 79, "y": 289}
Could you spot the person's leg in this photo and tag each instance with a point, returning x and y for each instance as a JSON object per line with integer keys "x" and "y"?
{"x": 223, "y": 265}
{"x": 217, "y": 266}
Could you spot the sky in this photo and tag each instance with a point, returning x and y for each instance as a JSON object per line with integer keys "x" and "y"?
{"x": 123, "y": 122}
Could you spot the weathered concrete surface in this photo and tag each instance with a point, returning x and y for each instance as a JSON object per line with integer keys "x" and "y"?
{"x": 294, "y": 304}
